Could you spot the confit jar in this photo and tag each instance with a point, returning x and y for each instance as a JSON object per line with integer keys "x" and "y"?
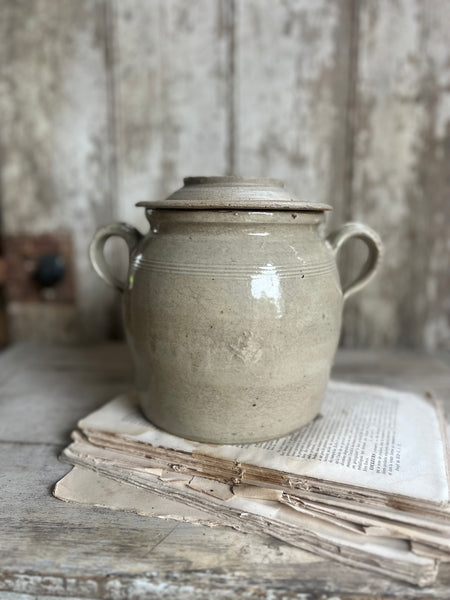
{"x": 232, "y": 307}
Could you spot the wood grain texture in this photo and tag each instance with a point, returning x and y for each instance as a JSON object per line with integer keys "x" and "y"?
{"x": 99, "y": 553}
{"x": 106, "y": 102}
{"x": 291, "y": 92}
{"x": 401, "y": 172}
{"x": 52, "y": 549}
{"x": 54, "y": 142}
{"x": 171, "y": 65}
{"x": 41, "y": 404}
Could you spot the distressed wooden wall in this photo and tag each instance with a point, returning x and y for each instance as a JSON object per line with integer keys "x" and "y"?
{"x": 56, "y": 147}
{"x": 107, "y": 102}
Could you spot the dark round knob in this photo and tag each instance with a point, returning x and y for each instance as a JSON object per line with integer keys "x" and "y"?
{"x": 50, "y": 269}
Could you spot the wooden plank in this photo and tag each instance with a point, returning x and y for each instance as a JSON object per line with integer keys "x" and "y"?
{"x": 14, "y": 596}
{"x": 401, "y": 183}
{"x": 97, "y": 553}
{"x": 55, "y": 145}
{"x": 291, "y": 94}
{"x": 49, "y": 548}
{"x": 171, "y": 65}
{"x": 44, "y": 390}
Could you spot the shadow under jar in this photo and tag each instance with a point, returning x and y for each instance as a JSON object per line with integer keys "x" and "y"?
{"x": 232, "y": 307}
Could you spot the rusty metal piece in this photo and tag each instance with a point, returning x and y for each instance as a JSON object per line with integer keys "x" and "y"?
{"x": 23, "y": 256}
{"x": 2, "y": 270}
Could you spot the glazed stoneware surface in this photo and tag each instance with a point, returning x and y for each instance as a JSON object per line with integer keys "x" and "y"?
{"x": 233, "y": 308}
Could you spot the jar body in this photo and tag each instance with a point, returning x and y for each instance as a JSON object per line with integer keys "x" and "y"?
{"x": 233, "y": 319}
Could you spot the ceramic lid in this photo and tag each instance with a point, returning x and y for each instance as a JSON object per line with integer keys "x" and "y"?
{"x": 236, "y": 193}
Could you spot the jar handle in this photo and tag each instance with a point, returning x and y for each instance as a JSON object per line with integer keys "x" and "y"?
{"x": 337, "y": 239}
{"x": 97, "y": 250}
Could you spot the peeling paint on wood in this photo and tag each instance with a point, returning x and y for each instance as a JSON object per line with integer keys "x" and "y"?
{"x": 54, "y": 137}
{"x": 401, "y": 165}
{"x": 171, "y": 74}
{"x": 291, "y": 69}
{"x": 106, "y": 102}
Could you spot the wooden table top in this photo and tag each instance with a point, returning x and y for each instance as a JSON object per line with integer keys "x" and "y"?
{"x": 49, "y": 548}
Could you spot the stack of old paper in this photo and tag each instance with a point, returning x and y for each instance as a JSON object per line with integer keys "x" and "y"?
{"x": 365, "y": 483}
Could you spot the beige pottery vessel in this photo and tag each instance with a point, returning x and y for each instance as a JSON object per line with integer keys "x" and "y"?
{"x": 232, "y": 307}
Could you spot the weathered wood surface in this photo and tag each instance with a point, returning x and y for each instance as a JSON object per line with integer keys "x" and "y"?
{"x": 48, "y": 548}
{"x": 291, "y": 65}
{"x": 401, "y": 183}
{"x": 171, "y": 73}
{"x": 55, "y": 148}
{"x": 44, "y": 391}
{"x": 105, "y": 103}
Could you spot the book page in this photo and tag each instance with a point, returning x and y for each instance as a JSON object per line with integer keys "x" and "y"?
{"x": 365, "y": 436}
{"x": 384, "y": 555}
